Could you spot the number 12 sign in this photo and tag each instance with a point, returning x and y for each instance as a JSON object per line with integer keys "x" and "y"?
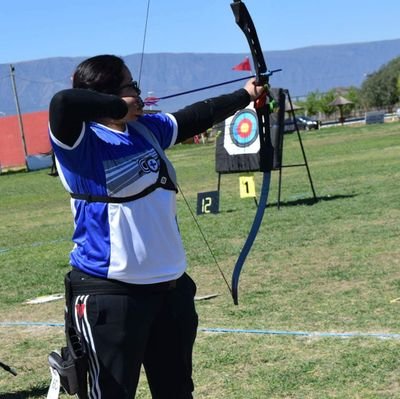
{"x": 208, "y": 202}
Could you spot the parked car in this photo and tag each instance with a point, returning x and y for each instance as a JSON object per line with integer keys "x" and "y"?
{"x": 306, "y": 123}
{"x": 303, "y": 123}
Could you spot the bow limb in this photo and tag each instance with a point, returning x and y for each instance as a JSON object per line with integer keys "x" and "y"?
{"x": 251, "y": 237}
{"x": 243, "y": 19}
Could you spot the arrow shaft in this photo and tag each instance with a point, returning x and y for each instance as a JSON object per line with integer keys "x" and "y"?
{"x": 206, "y": 87}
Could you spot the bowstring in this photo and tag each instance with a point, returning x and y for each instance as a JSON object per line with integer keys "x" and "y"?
{"x": 144, "y": 41}
{"x": 180, "y": 190}
{"x": 204, "y": 238}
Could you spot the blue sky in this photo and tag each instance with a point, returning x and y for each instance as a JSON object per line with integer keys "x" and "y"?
{"x": 46, "y": 28}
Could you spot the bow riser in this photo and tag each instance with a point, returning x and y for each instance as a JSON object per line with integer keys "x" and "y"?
{"x": 266, "y": 147}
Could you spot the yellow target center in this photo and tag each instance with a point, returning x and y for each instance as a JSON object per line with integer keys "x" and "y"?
{"x": 245, "y": 128}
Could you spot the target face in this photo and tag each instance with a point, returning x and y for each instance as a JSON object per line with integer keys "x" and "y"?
{"x": 244, "y": 128}
{"x": 241, "y": 133}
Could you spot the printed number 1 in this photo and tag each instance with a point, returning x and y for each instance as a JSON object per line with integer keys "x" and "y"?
{"x": 247, "y": 186}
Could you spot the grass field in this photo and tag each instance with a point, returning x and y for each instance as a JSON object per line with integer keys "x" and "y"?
{"x": 329, "y": 267}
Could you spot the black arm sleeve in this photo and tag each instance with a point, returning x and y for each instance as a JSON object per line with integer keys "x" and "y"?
{"x": 200, "y": 116}
{"x": 70, "y": 108}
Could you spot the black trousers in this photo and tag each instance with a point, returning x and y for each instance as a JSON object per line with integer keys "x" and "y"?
{"x": 122, "y": 332}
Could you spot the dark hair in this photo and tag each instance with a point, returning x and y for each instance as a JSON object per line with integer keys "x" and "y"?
{"x": 103, "y": 73}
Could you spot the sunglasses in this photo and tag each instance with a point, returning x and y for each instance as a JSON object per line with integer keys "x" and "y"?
{"x": 130, "y": 85}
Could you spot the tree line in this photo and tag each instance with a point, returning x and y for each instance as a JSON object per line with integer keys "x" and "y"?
{"x": 379, "y": 90}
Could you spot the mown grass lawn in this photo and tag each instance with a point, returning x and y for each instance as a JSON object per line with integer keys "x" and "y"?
{"x": 332, "y": 266}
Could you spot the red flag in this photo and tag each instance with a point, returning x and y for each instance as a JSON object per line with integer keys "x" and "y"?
{"x": 243, "y": 66}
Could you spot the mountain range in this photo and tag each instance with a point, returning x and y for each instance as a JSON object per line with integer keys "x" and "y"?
{"x": 316, "y": 68}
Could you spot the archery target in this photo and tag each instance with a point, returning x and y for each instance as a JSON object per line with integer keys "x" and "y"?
{"x": 241, "y": 133}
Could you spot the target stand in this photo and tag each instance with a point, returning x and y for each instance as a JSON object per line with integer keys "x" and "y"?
{"x": 237, "y": 149}
{"x": 290, "y": 110}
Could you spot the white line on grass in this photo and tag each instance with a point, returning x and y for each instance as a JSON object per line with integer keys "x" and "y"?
{"x": 311, "y": 334}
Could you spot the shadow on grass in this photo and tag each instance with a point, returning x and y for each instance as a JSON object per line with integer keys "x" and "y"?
{"x": 37, "y": 392}
{"x": 302, "y": 201}
{"x": 311, "y": 201}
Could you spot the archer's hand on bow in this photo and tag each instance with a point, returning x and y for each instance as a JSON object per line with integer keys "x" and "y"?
{"x": 255, "y": 90}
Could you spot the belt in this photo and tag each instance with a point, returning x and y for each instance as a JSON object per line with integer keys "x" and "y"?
{"x": 85, "y": 284}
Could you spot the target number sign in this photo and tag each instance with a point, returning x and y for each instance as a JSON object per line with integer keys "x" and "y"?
{"x": 247, "y": 186}
{"x": 241, "y": 133}
{"x": 207, "y": 202}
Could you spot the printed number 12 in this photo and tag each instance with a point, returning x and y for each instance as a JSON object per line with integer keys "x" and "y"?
{"x": 206, "y": 204}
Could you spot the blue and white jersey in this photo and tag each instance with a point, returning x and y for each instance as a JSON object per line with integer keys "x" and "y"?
{"x": 137, "y": 241}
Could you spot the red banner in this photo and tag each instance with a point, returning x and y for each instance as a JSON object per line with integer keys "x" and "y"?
{"x": 36, "y": 138}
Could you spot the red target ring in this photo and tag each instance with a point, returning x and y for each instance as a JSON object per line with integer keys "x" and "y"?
{"x": 244, "y": 129}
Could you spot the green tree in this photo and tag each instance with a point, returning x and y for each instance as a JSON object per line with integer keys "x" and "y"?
{"x": 352, "y": 94}
{"x": 381, "y": 88}
{"x": 325, "y": 100}
{"x": 398, "y": 85}
{"x": 312, "y": 103}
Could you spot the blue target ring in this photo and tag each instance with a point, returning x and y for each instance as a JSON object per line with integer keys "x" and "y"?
{"x": 244, "y": 129}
